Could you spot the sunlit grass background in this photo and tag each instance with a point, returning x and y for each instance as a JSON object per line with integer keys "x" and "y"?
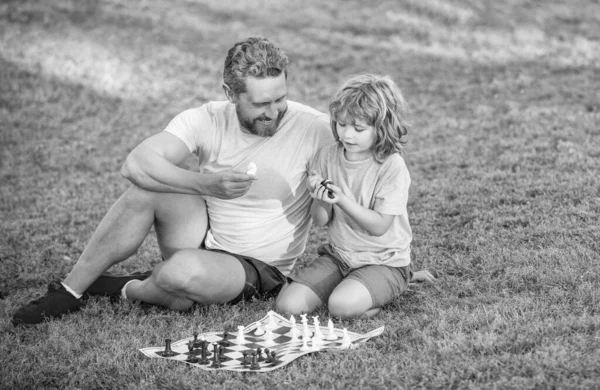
{"x": 504, "y": 153}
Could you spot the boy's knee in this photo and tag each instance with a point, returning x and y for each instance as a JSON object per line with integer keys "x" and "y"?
{"x": 341, "y": 307}
{"x": 283, "y": 304}
{"x": 291, "y": 304}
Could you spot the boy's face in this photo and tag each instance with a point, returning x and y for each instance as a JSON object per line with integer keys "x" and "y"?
{"x": 263, "y": 105}
{"x": 357, "y": 136}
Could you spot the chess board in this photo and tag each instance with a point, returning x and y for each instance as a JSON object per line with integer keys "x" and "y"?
{"x": 232, "y": 355}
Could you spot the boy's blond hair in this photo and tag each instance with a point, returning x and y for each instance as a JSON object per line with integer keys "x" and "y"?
{"x": 378, "y": 101}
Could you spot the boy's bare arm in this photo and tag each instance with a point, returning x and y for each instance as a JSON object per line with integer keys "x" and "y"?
{"x": 372, "y": 221}
{"x": 320, "y": 212}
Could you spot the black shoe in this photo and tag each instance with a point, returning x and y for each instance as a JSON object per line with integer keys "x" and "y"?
{"x": 55, "y": 303}
{"x": 109, "y": 285}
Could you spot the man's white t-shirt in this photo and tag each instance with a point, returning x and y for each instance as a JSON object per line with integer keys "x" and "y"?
{"x": 272, "y": 221}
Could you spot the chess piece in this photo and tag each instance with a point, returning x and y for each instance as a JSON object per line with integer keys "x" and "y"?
{"x": 245, "y": 359}
{"x": 216, "y": 358}
{"x": 254, "y": 365}
{"x": 191, "y": 356}
{"x": 224, "y": 342}
{"x": 307, "y": 332}
{"x": 259, "y": 329}
{"x": 240, "y": 339}
{"x": 252, "y": 168}
{"x": 318, "y": 333}
{"x": 294, "y": 338}
{"x": 196, "y": 341}
{"x": 168, "y": 352}
{"x": 271, "y": 323}
{"x": 269, "y": 338}
{"x": 346, "y": 342}
{"x": 304, "y": 346}
{"x": 203, "y": 352}
{"x": 331, "y": 331}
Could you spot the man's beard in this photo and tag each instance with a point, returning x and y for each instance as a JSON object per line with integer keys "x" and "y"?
{"x": 258, "y": 127}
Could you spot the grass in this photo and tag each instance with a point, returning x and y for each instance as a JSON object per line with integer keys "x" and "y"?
{"x": 503, "y": 153}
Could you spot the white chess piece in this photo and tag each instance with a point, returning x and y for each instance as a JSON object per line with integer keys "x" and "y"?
{"x": 252, "y": 168}
{"x": 346, "y": 342}
{"x": 269, "y": 338}
{"x": 307, "y": 332}
{"x": 316, "y": 322}
{"x": 304, "y": 346}
{"x": 240, "y": 339}
{"x": 259, "y": 329}
{"x": 318, "y": 333}
{"x": 271, "y": 324}
{"x": 331, "y": 331}
{"x": 294, "y": 338}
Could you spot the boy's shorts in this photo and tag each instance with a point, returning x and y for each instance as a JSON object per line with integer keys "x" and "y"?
{"x": 325, "y": 273}
{"x": 262, "y": 280}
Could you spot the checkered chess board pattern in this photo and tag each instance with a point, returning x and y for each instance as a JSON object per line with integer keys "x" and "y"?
{"x": 232, "y": 355}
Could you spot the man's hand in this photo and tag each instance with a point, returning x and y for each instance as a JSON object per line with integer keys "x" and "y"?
{"x": 227, "y": 184}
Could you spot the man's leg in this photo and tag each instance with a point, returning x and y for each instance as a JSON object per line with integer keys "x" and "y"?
{"x": 191, "y": 275}
{"x": 180, "y": 221}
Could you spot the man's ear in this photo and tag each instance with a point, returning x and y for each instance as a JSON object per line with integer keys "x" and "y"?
{"x": 229, "y": 93}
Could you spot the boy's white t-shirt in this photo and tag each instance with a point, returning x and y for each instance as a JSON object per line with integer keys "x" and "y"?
{"x": 271, "y": 222}
{"x": 380, "y": 187}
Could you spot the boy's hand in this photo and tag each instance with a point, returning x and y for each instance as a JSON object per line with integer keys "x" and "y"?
{"x": 328, "y": 192}
{"x": 313, "y": 181}
{"x": 422, "y": 276}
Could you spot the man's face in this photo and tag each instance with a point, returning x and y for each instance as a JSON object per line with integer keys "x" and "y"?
{"x": 263, "y": 105}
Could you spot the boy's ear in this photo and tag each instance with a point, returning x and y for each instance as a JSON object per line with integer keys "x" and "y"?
{"x": 229, "y": 93}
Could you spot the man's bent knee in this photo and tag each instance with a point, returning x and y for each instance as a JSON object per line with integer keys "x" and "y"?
{"x": 175, "y": 275}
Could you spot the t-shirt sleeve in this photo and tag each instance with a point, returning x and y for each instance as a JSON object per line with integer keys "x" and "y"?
{"x": 391, "y": 190}
{"x": 319, "y": 163}
{"x": 322, "y": 137}
{"x": 192, "y": 127}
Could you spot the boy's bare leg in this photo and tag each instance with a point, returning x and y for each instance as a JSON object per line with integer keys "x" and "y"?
{"x": 181, "y": 222}
{"x": 351, "y": 299}
{"x": 296, "y": 298}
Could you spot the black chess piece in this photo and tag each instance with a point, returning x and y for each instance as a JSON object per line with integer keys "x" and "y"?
{"x": 216, "y": 359}
{"x": 168, "y": 352}
{"x": 245, "y": 359}
{"x": 197, "y": 342}
{"x": 203, "y": 352}
{"x": 254, "y": 365}
{"x": 191, "y": 357}
{"x": 259, "y": 355}
{"x": 224, "y": 342}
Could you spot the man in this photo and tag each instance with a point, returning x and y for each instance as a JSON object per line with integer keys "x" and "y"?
{"x": 226, "y": 235}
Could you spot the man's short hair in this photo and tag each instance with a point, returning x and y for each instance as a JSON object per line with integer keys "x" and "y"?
{"x": 253, "y": 57}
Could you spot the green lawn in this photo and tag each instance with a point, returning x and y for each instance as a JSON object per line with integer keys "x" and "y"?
{"x": 504, "y": 154}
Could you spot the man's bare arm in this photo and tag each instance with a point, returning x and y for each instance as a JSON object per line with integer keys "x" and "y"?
{"x": 152, "y": 165}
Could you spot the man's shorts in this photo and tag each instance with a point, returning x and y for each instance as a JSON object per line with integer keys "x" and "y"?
{"x": 262, "y": 280}
{"x": 323, "y": 275}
